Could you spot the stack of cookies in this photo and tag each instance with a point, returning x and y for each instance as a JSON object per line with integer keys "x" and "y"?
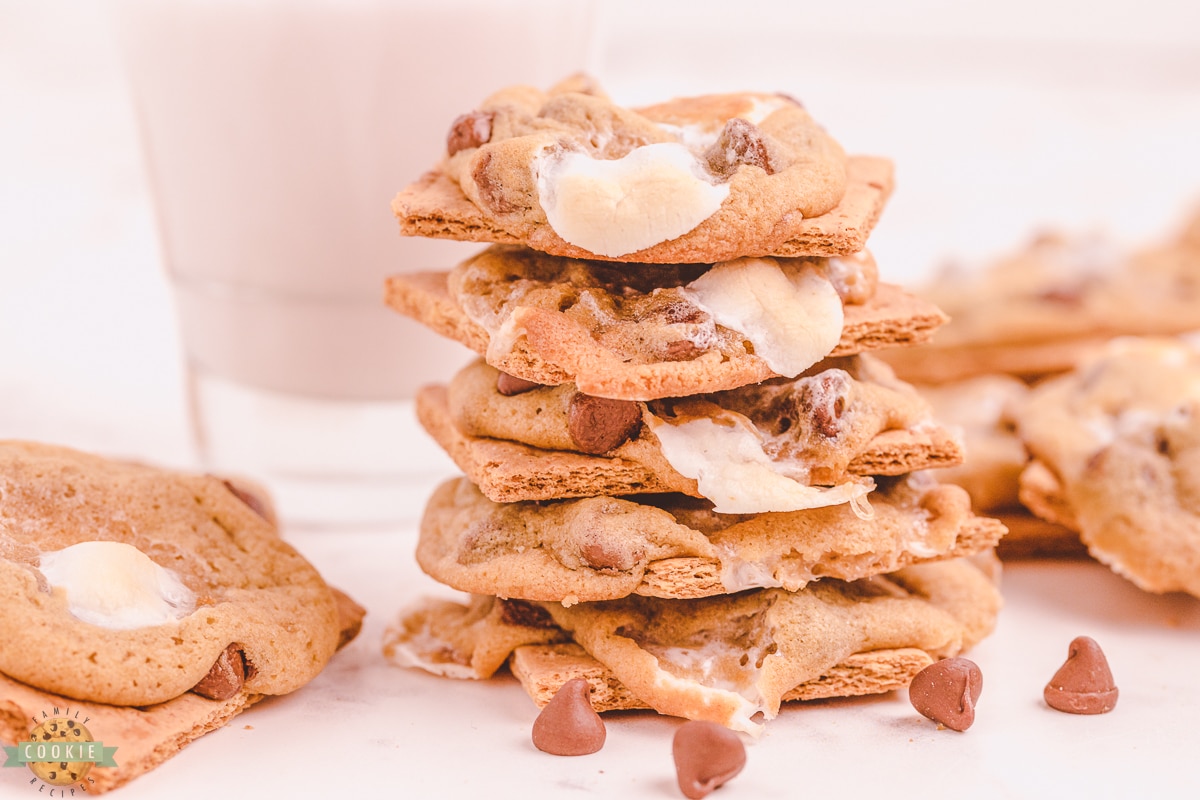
{"x": 687, "y": 481}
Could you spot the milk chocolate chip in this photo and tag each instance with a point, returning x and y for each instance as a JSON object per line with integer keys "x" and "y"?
{"x": 599, "y": 552}
{"x": 508, "y": 385}
{"x": 598, "y": 424}
{"x": 740, "y": 142}
{"x": 226, "y": 676}
{"x": 253, "y": 501}
{"x": 823, "y": 398}
{"x": 350, "y": 617}
{"x": 469, "y": 130}
{"x": 1084, "y": 684}
{"x": 491, "y": 189}
{"x": 707, "y": 755}
{"x": 947, "y": 691}
{"x": 524, "y": 614}
{"x": 568, "y": 725}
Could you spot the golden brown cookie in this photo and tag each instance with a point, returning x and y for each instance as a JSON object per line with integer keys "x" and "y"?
{"x": 728, "y": 658}
{"x": 1116, "y": 449}
{"x": 696, "y": 179}
{"x": 983, "y": 408}
{"x": 845, "y": 417}
{"x": 139, "y": 580}
{"x": 543, "y": 669}
{"x": 547, "y": 345}
{"x": 1032, "y": 537}
{"x": 146, "y": 736}
{"x": 1040, "y": 310}
{"x": 671, "y": 546}
{"x": 466, "y": 641}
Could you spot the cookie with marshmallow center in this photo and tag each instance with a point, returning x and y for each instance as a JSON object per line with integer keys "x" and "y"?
{"x": 143, "y": 583}
{"x": 708, "y": 178}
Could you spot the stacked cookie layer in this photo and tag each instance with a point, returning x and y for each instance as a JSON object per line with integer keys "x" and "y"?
{"x": 686, "y": 478}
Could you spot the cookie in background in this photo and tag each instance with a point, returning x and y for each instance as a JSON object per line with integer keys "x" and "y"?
{"x": 1115, "y": 448}
{"x": 1037, "y": 311}
{"x": 984, "y": 411}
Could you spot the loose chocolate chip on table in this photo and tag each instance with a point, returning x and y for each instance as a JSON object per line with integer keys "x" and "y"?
{"x": 947, "y": 691}
{"x": 568, "y": 725}
{"x": 598, "y": 424}
{"x": 707, "y": 755}
{"x": 1084, "y": 684}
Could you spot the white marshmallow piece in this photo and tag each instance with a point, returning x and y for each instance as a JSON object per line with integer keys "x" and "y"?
{"x": 115, "y": 585}
{"x": 793, "y": 320}
{"x": 726, "y": 459}
{"x": 615, "y": 207}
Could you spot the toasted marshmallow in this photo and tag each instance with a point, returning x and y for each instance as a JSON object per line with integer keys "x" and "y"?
{"x": 615, "y": 207}
{"x": 115, "y": 585}
{"x": 793, "y": 320}
{"x": 725, "y": 457}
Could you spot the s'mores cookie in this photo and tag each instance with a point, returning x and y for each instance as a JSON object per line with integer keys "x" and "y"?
{"x": 702, "y": 179}
{"x": 671, "y": 546}
{"x": 784, "y": 444}
{"x": 678, "y": 451}
{"x": 1116, "y": 457}
{"x": 985, "y": 410}
{"x": 1038, "y": 311}
{"x": 165, "y": 597}
{"x": 723, "y": 659}
{"x": 665, "y": 330}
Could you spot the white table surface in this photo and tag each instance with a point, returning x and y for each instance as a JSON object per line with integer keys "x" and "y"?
{"x": 994, "y": 135}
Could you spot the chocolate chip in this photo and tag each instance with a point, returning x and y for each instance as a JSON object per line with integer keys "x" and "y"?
{"x": 1084, "y": 684}
{"x": 568, "y": 725}
{"x": 740, "y": 142}
{"x": 706, "y": 756}
{"x": 790, "y": 99}
{"x": 468, "y": 131}
{"x": 947, "y": 691}
{"x": 822, "y": 399}
{"x": 680, "y": 350}
{"x": 601, "y": 553}
{"x": 225, "y": 677}
{"x": 350, "y": 617}
{"x": 255, "y": 502}
{"x": 598, "y": 424}
{"x": 524, "y": 614}
{"x": 491, "y": 190}
{"x": 674, "y": 312}
{"x": 1067, "y": 295}
{"x": 508, "y": 385}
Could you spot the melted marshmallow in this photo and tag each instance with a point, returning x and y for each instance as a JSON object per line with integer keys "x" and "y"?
{"x": 726, "y": 459}
{"x": 615, "y": 207}
{"x": 115, "y": 585}
{"x": 793, "y": 320}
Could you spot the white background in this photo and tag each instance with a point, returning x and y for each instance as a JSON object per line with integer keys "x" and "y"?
{"x": 1002, "y": 120}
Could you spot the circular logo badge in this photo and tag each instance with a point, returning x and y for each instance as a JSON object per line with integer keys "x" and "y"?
{"x": 52, "y": 739}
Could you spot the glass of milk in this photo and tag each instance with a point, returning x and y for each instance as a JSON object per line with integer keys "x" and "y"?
{"x": 276, "y": 133}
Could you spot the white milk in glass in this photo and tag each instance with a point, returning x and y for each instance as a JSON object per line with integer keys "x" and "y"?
{"x": 276, "y": 135}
